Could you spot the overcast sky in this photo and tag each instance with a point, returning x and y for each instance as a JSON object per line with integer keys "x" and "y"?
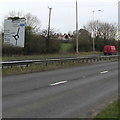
{"x": 63, "y": 11}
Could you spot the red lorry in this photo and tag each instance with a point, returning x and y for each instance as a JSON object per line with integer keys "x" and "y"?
{"x": 110, "y": 50}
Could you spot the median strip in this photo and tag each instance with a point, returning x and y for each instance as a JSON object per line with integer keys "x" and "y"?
{"x": 53, "y": 84}
{"x": 104, "y": 72}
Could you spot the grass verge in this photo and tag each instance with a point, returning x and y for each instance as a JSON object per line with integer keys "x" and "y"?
{"x": 111, "y": 111}
{"x": 39, "y": 68}
{"x": 24, "y": 57}
{"x": 42, "y": 66}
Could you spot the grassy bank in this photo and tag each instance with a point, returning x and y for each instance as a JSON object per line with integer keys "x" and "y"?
{"x": 39, "y": 68}
{"x": 23, "y": 57}
{"x": 111, "y": 111}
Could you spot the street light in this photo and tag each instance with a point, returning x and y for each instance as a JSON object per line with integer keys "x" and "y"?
{"x": 48, "y": 37}
{"x": 77, "y": 32}
{"x": 93, "y": 30}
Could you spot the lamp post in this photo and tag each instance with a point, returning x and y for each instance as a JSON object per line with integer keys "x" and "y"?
{"x": 76, "y": 28}
{"x": 93, "y": 30}
{"x": 48, "y": 37}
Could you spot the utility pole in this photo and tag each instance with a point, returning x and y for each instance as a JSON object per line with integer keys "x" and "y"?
{"x": 76, "y": 28}
{"x": 48, "y": 37}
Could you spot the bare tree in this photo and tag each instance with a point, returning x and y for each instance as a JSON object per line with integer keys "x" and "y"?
{"x": 44, "y": 32}
{"x": 31, "y": 20}
{"x": 15, "y": 14}
{"x": 102, "y": 30}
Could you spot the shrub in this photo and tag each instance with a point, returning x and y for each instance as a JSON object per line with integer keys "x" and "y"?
{"x": 11, "y": 50}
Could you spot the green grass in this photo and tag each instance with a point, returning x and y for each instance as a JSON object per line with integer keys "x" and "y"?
{"x": 41, "y": 56}
{"x": 111, "y": 111}
{"x": 42, "y": 67}
{"x": 39, "y": 68}
{"x": 65, "y": 47}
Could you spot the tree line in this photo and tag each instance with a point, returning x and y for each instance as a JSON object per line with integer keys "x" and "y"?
{"x": 36, "y": 39}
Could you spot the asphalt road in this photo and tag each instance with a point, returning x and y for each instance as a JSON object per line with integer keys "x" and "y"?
{"x": 65, "y": 93}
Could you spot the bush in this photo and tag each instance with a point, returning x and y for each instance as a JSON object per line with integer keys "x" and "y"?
{"x": 35, "y": 45}
{"x": 11, "y": 50}
{"x": 54, "y": 46}
{"x": 84, "y": 41}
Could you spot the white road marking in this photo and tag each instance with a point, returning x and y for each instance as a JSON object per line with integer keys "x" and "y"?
{"x": 53, "y": 84}
{"x": 104, "y": 72}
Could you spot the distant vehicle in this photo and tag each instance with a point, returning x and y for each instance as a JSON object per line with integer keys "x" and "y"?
{"x": 110, "y": 50}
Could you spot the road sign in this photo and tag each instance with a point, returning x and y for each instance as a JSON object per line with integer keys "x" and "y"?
{"x": 14, "y": 31}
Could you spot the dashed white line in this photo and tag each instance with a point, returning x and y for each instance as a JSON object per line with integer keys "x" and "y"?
{"x": 61, "y": 82}
{"x": 104, "y": 72}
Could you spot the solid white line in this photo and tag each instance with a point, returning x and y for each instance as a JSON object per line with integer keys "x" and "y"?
{"x": 104, "y": 72}
{"x": 53, "y": 84}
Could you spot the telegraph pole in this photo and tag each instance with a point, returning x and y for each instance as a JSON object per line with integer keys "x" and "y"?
{"x": 76, "y": 28}
{"x": 48, "y": 37}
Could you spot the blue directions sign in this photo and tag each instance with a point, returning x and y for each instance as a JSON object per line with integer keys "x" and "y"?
{"x": 22, "y": 25}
